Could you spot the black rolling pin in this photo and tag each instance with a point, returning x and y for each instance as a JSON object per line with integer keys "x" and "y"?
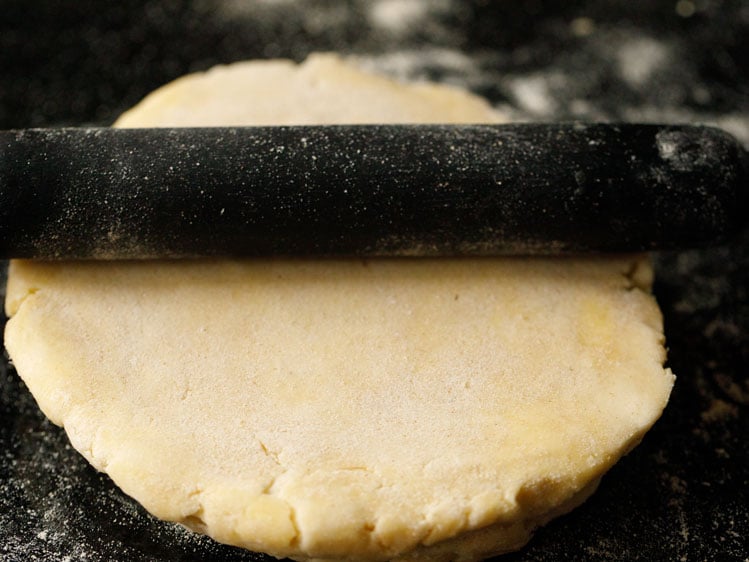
{"x": 383, "y": 190}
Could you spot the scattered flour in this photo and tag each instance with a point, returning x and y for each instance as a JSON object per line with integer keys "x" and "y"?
{"x": 401, "y": 16}
{"x": 533, "y": 94}
{"x": 640, "y": 58}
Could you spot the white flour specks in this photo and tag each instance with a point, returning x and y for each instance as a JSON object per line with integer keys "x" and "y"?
{"x": 736, "y": 123}
{"x": 264, "y": 15}
{"x": 533, "y": 94}
{"x": 667, "y": 147}
{"x": 401, "y": 16}
{"x": 640, "y": 58}
{"x": 414, "y": 64}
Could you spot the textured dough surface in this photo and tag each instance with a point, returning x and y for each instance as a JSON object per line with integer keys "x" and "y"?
{"x": 421, "y": 409}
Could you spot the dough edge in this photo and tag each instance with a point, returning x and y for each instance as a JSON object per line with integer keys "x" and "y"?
{"x": 188, "y": 506}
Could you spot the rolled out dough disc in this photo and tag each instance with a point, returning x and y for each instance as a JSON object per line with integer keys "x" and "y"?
{"x": 407, "y": 409}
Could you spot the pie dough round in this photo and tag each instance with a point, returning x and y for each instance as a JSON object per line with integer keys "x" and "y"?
{"x": 369, "y": 410}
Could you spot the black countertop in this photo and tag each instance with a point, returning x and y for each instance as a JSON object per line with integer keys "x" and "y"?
{"x": 683, "y": 494}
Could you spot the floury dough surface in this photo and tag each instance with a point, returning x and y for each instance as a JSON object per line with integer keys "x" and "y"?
{"x": 321, "y": 409}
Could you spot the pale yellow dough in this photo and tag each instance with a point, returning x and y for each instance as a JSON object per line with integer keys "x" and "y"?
{"x": 406, "y": 409}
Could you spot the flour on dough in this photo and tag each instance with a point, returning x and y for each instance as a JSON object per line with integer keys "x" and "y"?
{"x": 367, "y": 410}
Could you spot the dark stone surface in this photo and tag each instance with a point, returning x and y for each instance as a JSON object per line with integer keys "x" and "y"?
{"x": 683, "y": 493}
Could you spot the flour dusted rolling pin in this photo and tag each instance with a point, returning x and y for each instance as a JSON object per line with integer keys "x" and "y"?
{"x": 384, "y": 190}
